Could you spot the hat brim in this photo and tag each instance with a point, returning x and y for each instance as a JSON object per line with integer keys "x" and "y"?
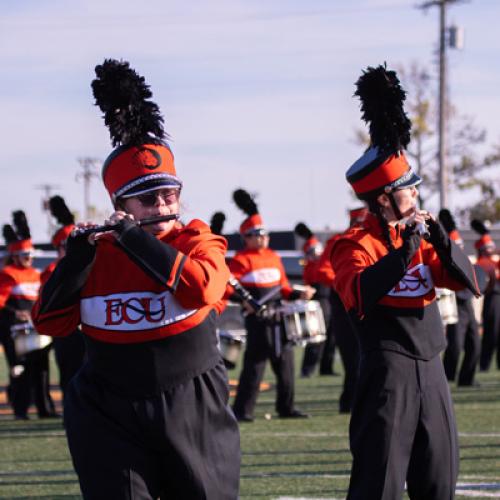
{"x": 413, "y": 180}
{"x": 153, "y": 185}
{"x": 257, "y": 231}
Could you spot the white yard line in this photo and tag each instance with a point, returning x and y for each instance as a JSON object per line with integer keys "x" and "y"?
{"x": 479, "y": 434}
{"x": 346, "y": 435}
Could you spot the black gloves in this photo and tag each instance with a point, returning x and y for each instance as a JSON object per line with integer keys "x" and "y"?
{"x": 79, "y": 248}
{"x": 411, "y": 243}
{"x": 439, "y": 239}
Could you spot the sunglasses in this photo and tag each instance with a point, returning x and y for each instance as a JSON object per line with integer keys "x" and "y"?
{"x": 149, "y": 199}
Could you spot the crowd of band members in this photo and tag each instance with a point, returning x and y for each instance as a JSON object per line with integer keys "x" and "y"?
{"x": 473, "y": 340}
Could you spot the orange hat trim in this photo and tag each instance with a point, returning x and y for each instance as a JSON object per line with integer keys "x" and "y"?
{"x": 21, "y": 246}
{"x": 455, "y": 236}
{"x": 62, "y": 234}
{"x": 128, "y": 167}
{"x": 392, "y": 169}
{"x": 484, "y": 241}
{"x": 250, "y": 223}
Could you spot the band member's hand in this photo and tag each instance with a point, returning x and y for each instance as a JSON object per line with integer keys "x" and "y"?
{"x": 418, "y": 217}
{"x": 78, "y": 243}
{"x": 438, "y": 237}
{"x": 120, "y": 219}
{"x": 411, "y": 242}
{"x": 307, "y": 293}
{"x": 22, "y": 315}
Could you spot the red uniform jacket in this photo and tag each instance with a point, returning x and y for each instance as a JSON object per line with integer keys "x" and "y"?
{"x": 260, "y": 272}
{"x": 403, "y": 317}
{"x": 18, "y": 290}
{"x": 145, "y": 304}
{"x": 325, "y": 272}
{"x": 491, "y": 268}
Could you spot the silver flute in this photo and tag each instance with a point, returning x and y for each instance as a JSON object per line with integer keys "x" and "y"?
{"x": 86, "y": 231}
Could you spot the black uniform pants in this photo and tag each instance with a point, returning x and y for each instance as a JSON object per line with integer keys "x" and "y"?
{"x": 491, "y": 331}
{"x": 402, "y": 428}
{"x": 181, "y": 444}
{"x": 69, "y": 352}
{"x": 328, "y": 355}
{"x": 463, "y": 335}
{"x": 348, "y": 345}
{"x": 260, "y": 348}
{"x": 33, "y": 385}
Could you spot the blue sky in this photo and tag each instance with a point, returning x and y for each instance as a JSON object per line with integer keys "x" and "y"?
{"x": 255, "y": 94}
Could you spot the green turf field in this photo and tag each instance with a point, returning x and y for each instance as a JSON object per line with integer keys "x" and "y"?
{"x": 281, "y": 459}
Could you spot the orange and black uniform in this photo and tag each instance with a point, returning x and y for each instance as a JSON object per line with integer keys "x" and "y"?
{"x": 69, "y": 350}
{"x": 491, "y": 313}
{"x": 19, "y": 288}
{"x": 149, "y": 409}
{"x": 402, "y": 418}
{"x": 261, "y": 272}
{"x": 340, "y": 329}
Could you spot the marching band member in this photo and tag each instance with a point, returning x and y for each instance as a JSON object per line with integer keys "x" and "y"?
{"x": 260, "y": 270}
{"x": 147, "y": 416}
{"x": 19, "y": 285}
{"x": 486, "y": 248}
{"x": 69, "y": 350}
{"x": 312, "y": 250}
{"x": 340, "y": 323}
{"x": 402, "y": 425}
{"x": 464, "y": 334}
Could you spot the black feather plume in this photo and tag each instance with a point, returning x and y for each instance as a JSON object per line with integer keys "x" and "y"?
{"x": 60, "y": 211}
{"x": 9, "y": 234}
{"x": 447, "y": 220}
{"x": 21, "y": 224}
{"x": 479, "y": 226}
{"x": 217, "y": 222}
{"x": 122, "y": 95}
{"x": 245, "y": 202}
{"x": 382, "y": 101}
{"x": 303, "y": 231}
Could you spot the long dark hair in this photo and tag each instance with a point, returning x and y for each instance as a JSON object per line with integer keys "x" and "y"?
{"x": 376, "y": 210}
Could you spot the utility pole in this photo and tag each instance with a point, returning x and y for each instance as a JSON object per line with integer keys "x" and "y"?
{"x": 47, "y": 191}
{"x": 89, "y": 170}
{"x": 442, "y": 108}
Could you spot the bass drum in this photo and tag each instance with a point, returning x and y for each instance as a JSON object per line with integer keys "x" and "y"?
{"x": 447, "y": 304}
{"x": 27, "y": 340}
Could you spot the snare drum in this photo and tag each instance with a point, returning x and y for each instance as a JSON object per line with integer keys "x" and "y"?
{"x": 447, "y": 304}
{"x": 27, "y": 340}
{"x": 303, "y": 321}
{"x": 230, "y": 344}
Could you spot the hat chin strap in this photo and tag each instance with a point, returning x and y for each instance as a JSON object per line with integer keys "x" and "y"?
{"x": 394, "y": 206}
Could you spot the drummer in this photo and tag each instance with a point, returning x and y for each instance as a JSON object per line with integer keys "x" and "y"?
{"x": 312, "y": 250}
{"x": 488, "y": 261}
{"x": 260, "y": 270}
{"x": 19, "y": 285}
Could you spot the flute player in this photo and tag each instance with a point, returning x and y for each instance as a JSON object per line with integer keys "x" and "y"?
{"x": 147, "y": 416}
